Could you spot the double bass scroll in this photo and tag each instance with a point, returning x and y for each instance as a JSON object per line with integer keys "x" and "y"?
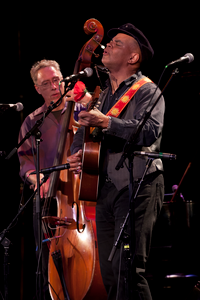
{"x": 91, "y": 26}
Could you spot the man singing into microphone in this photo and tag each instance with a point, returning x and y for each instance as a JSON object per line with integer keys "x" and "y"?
{"x": 124, "y": 56}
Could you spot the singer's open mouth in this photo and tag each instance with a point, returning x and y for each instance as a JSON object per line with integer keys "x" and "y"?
{"x": 105, "y": 52}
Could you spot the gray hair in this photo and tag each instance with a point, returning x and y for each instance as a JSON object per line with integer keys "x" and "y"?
{"x": 43, "y": 64}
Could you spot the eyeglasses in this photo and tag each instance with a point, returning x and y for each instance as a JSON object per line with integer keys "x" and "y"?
{"x": 47, "y": 83}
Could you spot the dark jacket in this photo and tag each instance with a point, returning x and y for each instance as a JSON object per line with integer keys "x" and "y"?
{"x": 115, "y": 137}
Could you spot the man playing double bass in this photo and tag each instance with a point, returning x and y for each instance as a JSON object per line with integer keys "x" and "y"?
{"x": 124, "y": 55}
{"x": 46, "y": 76}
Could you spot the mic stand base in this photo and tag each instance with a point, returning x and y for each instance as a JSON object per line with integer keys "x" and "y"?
{"x": 6, "y": 266}
{"x": 6, "y": 244}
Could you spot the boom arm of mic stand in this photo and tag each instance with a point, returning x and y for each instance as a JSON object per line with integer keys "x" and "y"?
{"x": 37, "y": 124}
{"x": 128, "y": 148}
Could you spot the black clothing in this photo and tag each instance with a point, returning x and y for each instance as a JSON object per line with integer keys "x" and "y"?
{"x": 113, "y": 197}
{"x": 122, "y": 127}
{"x": 111, "y": 211}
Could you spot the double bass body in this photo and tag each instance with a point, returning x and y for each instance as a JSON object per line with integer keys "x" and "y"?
{"x": 72, "y": 254}
{"x": 74, "y": 271}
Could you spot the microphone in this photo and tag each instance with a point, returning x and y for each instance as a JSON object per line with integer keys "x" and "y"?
{"x": 156, "y": 155}
{"x": 87, "y": 72}
{"x": 18, "y": 106}
{"x": 187, "y": 58}
{"x": 175, "y": 190}
{"x": 52, "y": 169}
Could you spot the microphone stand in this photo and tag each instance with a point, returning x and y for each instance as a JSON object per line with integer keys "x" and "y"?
{"x": 6, "y": 242}
{"x": 38, "y": 214}
{"x": 128, "y": 148}
{"x": 33, "y": 130}
{"x": 36, "y": 132}
{"x": 129, "y": 153}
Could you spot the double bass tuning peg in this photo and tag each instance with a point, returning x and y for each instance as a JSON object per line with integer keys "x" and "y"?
{"x": 96, "y": 55}
{"x": 90, "y": 49}
{"x": 102, "y": 46}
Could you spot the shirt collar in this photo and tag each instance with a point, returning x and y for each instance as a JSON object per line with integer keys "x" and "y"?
{"x": 44, "y": 108}
{"x": 133, "y": 78}
{"x": 40, "y": 110}
{"x": 128, "y": 81}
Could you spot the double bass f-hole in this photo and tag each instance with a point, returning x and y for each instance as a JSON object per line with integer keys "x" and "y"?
{"x": 77, "y": 218}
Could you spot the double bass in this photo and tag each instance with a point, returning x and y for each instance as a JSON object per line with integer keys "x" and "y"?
{"x": 73, "y": 269}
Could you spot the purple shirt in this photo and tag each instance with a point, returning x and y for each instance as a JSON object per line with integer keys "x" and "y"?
{"x": 50, "y": 135}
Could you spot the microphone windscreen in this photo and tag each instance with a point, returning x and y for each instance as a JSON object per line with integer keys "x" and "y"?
{"x": 19, "y": 107}
{"x": 174, "y": 188}
{"x": 88, "y": 72}
{"x": 190, "y": 57}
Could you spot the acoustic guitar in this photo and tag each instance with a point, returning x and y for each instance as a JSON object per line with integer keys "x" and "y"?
{"x": 89, "y": 178}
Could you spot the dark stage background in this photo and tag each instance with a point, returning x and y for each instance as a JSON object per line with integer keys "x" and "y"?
{"x": 55, "y": 31}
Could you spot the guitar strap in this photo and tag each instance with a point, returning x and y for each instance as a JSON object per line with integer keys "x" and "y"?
{"x": 122, "y": 102}
{"x": 125, "y": 99}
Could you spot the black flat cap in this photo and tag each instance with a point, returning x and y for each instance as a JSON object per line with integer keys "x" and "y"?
{"x": 130, "y": 29}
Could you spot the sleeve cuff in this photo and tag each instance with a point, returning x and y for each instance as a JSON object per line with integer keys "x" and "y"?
{"x": 109, "y": 125}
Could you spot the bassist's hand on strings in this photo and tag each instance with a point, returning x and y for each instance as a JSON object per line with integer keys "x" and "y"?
{"x": 75, "y": 162}
{"x": 33, "y": 183}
